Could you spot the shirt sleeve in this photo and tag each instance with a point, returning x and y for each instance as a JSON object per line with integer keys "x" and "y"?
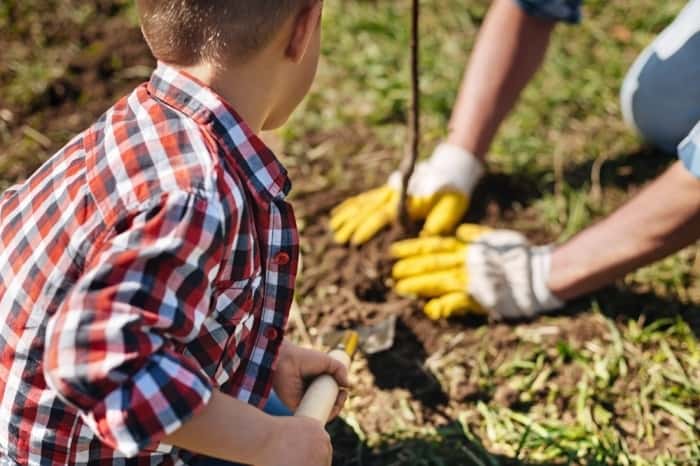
{"x": 111, "y": 348}
{"x": 689, "y": 151}
{"x": 568, "y": 11}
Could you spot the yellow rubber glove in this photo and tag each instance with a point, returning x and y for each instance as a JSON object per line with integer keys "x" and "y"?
{"x": 480, "y": 271}
{"x": 434, "y": 267}
{"x": 359, "y": 218}
{"x": 438, "y": 192}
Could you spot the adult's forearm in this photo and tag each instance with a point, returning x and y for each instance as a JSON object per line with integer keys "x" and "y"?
{"x": 660, "y": 220}
{"x": 228, "y": 429}
{"x": 509, "y": 49}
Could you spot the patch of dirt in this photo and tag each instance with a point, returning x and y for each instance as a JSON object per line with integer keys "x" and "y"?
{"x": 105, "y": 60}
{"x": 343, "y": 287}
{"x": 435, "y": 369}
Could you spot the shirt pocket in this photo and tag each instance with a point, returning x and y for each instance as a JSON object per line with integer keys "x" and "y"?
{"x": 237, "y": 299}
{"x": 234, "y": 352}
{"x": 236, "y": 310}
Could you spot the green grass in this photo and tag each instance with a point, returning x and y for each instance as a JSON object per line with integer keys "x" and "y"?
{"x": 40, "y": 41}
{"x": 664, "y": 384}
{"x": 628, "y": 393}
{"x": 627, "y": 396}
{"x": 635, "y": 384}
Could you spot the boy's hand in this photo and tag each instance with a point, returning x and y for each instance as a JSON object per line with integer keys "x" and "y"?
{"x": 438, "y": 192}
{"x": 297, "y": 367}
{"x": 297, "y": 441}
{"x": 481, "y": 271}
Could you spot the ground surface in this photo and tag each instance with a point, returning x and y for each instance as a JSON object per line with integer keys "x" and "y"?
{"x": 614, "y": 379}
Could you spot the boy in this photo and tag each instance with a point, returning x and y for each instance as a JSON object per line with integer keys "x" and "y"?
{"x": 147, "y": 269}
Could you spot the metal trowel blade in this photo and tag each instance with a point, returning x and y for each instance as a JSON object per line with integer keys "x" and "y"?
{"x": 374, "y": 338}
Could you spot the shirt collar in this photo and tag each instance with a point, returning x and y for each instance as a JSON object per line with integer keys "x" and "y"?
{"x": 184, "y": 93}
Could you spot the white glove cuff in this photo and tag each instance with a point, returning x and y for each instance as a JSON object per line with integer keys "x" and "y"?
{"x": 540, "y": 266}
{"x": 509, "y": 277}
{"x": 395, "y": 180}
{"x": 449, "y": 168}
{"x": 498, "y": 264}
{"x": 460, "y": 168}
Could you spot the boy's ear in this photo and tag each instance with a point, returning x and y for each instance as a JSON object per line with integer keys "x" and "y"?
{"x": 303, "y": 30}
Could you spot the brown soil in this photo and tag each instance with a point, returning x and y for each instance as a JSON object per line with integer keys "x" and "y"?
{"x": 104, "y": 61}
{"x": 427, "y": 377}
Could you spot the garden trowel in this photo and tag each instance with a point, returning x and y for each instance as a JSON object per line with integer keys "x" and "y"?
{"x": 320, "y": 396}
{"x": 373, "y": 338}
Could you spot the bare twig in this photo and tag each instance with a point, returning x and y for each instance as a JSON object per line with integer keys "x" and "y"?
{"x": 409, "y": 161}
{"x": 36, "y": 136}
{"x": 596, "y": 188}
{"x": 298, "y": 319}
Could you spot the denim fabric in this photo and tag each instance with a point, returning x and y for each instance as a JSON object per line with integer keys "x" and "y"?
{"x": 660, "y": 96}
{"x": 568, "y": 11}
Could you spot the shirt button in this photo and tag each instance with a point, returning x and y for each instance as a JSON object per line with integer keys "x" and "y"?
{"x": 282, "y": 258}
{"x": 271, "y": 333}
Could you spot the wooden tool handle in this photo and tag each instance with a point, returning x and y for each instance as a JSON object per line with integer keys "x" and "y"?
{"x": 320, "y": 397}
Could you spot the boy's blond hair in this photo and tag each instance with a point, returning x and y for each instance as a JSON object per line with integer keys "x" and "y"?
{"x": 189, "y": 32}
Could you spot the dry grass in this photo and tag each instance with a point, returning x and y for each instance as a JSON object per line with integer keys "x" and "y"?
{"x": 617, "y": 381}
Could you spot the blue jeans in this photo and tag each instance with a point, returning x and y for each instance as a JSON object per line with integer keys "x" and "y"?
{"x": 660, "y": 94}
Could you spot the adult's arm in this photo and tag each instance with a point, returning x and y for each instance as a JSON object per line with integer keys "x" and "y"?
{"x": 509, "y": 50}
{"x": 661, "y": 219}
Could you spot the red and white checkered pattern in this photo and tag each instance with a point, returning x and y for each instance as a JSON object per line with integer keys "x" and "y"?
{"x": 150, "y": 260}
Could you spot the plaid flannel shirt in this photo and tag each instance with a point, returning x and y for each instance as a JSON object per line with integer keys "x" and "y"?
{"x": 151, "y": 259}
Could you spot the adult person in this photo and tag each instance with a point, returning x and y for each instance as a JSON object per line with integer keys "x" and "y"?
{"x": 499, "y": 270}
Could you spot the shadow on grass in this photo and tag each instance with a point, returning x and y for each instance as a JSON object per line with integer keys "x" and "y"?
{"x": 450, "y": 447}
{"x": 504, "y": 191}
{"x": 402, "y": 366}
{"x": 621, "y": 303}
{"x": 624, "y": 303}
{"x": 622, "y": 171}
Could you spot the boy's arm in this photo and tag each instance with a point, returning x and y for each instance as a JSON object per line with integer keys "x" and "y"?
{"x": 235, "y": 431}
{"x": 226, "y": 428}
{"x": 114, "y": 347}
